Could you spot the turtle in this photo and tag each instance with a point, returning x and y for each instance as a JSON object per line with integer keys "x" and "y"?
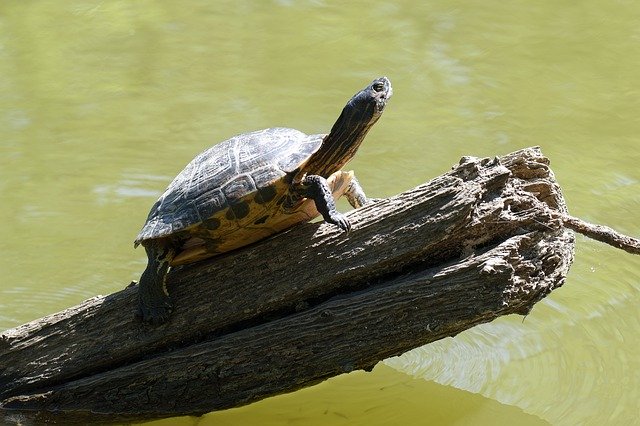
{"x": 249, "y": 187}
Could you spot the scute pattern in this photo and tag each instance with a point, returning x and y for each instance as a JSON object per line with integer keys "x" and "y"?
{"x": 209, "y": 203}
{"x": 226, "y": 175}
{"x": 239, "y": 187}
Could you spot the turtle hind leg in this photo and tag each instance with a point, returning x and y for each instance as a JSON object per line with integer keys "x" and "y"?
{"x": 154, "y": 303}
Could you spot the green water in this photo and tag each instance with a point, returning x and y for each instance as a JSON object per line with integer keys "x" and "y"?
{"x": 103, "y": 102}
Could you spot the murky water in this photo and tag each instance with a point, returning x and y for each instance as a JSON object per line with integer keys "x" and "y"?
{"x": 103, "y": 102}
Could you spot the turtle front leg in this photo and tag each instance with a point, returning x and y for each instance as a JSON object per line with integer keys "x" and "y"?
{"x": 317, "y": 188}
{"x": 154, "y": 303}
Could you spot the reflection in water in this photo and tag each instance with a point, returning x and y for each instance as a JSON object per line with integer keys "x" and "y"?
{"x": 130, "y": 186}
{"x": 383, "y": 397}
{"x": 103, "y": 102}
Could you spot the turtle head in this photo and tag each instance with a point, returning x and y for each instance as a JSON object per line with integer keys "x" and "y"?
{"x": 358, "y": 116}
{"x": 367, "y": 105}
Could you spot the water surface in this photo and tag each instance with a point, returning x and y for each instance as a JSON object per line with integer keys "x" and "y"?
{"x": 103, "y": 102}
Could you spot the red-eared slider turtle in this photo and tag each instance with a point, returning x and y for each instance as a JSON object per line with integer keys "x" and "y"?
{"x": 252, "y": 186}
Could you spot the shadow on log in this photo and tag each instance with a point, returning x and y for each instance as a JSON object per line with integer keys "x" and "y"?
{"x": 481, "y": 241}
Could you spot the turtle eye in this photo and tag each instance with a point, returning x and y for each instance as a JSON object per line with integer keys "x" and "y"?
{"x": 378, "y": 86}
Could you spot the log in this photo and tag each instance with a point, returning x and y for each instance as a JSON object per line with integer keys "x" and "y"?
{"x": 483, "y": 240}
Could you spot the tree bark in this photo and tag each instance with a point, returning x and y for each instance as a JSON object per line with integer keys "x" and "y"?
{"x": 483, "y": 240}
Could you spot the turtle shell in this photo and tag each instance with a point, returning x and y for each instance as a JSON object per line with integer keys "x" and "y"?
{"x": 234, "y": 184}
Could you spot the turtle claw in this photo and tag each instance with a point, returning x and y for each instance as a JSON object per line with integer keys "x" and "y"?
{"x": 341, "y": 222}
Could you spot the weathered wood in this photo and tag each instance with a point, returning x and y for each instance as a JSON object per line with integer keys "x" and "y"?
{"x": 460, "y": 250}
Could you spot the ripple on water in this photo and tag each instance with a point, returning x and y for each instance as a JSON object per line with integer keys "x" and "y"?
{"x": 131, "y": 185}
{"x": 35, "y": 299}
{"x": 577, "y": 345}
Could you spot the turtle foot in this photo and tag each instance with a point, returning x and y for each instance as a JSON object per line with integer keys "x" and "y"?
{"x": 154, "y": 315}
{"x": 340, "y": 221}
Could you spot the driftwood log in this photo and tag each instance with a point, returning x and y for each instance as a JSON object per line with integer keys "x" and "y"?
{"x": 483, "y": 240}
